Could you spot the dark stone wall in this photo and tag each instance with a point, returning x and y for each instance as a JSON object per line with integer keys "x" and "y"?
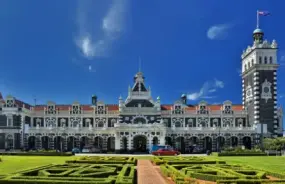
{"x": 3, "y": 120}
{"x": 266, "y": 109}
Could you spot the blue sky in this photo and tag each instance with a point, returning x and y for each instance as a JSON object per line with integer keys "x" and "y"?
{"x": 68, "y": 50}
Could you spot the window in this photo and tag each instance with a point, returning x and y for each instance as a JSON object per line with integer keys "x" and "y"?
{"x": 265, "y": 60}
{"x": 252, "y": 62}
{"x": 260, "y": 59}
{"x": 270, "y": 60}
{"x": 245, "y": 67}
{"x": 10, "y": 122}
{"x": 249, "y": 65}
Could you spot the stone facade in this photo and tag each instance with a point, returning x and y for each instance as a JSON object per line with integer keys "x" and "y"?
{"x": 139, "y": 121}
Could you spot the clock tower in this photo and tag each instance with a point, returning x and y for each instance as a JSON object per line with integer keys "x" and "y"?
{"x": 259, "y": 82}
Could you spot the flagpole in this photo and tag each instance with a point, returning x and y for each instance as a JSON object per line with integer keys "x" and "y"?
{"x": 257, "y": 20}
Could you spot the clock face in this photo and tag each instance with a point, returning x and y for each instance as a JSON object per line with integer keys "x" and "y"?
{"x": 266, "y": 89}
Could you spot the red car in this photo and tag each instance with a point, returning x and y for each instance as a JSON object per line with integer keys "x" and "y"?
{"x": 165, "y": 152}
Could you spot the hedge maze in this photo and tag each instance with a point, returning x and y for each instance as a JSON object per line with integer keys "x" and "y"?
{"x": 86, "y": 170}
{"x": 184, "y": 169}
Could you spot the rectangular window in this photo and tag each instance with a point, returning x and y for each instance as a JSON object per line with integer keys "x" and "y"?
{"x": 10, "y": 122}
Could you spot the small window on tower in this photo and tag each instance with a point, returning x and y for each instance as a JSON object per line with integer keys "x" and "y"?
{"x": 252, "y": 62}
{"x": 265, "y": 60}
{"x": 245, "y": 67}
{"x": 270, "y": 60}
{"x": 249, "y": 65}
{"x": 260, "y": 59}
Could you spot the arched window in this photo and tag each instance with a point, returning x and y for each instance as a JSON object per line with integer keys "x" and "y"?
{"x": 260, "y": 59}
{"x": 265, "y": 60}
{"x": 252, "y": 62}
{"x": 270, "y": 60}
{"x": 249, "y": 65}
{"x": 245, "y": 67}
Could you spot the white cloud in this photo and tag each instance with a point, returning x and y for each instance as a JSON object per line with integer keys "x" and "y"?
{"x": 207, "y": 88}
{"x": 112, "y": 25}
{"x": 218, "y": 32}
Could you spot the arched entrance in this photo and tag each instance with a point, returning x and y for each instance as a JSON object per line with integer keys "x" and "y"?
{"x": 32, "y": 142}
{"x": 58, "y": 143}
{"x": 9, "y": 142}
{"x": 140, "y": 143}
{"x": 168, "y": 141}
{"x": 207, "y": 143}
{"x": 246, "y": 142}
{"x": 124, "y": 143}
{"x": 71, "y": 143}
{"x": 84, "y": 141}
{"x": 234, "y": 141}
{"x": 194, "y": 145}
{"x": 180, "y": 144}
{"x": 98, "y": 142}
{"x": 111, "y": 144}
{"x": 154, "y": 141}
{"x": 45, "y": 142}
{"x": 220, "y": 143}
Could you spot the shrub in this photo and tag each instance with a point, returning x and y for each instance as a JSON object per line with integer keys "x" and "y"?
{"x": 37, "y": 153}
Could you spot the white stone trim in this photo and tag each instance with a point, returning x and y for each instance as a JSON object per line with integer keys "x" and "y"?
{"x": 256, "y": 102}
{"x": 256, "y": 83}
{"x": 256, "y": 117}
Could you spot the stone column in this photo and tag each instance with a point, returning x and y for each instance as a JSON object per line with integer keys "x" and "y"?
{"x": 22, "y": 138}
{"x": 117, "y": 143}
{"x": 162, "y": 140}
{"x": 149, "y": 143}
{"x": 130, "y": 142}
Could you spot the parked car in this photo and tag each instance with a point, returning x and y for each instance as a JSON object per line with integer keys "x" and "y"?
{"x": 75, "y": 150}
{"x": 165, "y": 152}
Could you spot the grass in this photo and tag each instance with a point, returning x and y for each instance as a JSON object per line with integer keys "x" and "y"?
{"x": 11, "y": 164}
{"x": 270, "y": 163}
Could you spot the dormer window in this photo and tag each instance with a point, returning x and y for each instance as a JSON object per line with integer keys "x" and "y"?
{"x": 76, "y": 109}
{"x": 227, "y": 109}
{"x": 203, "y": 108}
{"x": 178, "y": 109}
{"x": 10, "y": 102}
{"x": 100, "y": 109}
{"x": 51, "y": 109}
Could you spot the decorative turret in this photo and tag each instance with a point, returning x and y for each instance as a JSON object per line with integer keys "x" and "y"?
{"x": 94, "y": 100}
{"x": 184, "y": 99}
{"x": 258, "y": 36}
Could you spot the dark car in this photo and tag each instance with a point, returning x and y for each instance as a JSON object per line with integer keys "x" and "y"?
{"x": 166, "y": 152}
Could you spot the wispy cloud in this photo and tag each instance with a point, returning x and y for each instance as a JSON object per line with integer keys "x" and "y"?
{"x": 112, "y": 25}
{"x": 218, "y": 32}
{"x": 207, "y": 89}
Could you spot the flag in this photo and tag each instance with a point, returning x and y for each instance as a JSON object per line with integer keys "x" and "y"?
{"x": 263, "y": 13}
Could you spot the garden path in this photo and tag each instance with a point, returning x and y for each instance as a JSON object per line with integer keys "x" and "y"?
{"x": 148, "y": 174}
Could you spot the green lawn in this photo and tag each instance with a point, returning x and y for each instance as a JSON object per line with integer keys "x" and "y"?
{"x": 270, "y": 163}
{"x": 12, "y": 164}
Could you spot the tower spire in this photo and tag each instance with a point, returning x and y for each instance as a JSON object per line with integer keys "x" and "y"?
{"x": 140, "y": 63}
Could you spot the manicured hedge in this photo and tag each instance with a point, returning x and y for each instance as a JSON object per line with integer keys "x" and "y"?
{"x": 75, "y": 173}
{"x": 37, "y": 153}
{"x": 211, "y": 171}
{"x": 104, "y": 160}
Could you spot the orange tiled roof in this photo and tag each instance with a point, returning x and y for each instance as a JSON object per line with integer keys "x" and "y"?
{"x": 113, "y": 107}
